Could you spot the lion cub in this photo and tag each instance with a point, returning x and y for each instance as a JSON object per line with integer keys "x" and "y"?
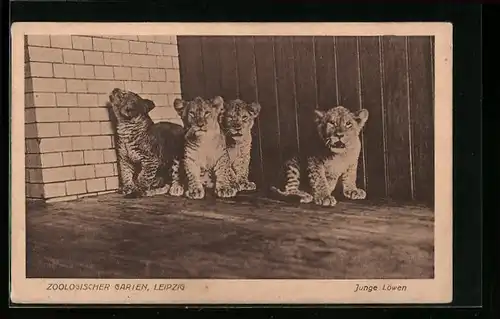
{"x": 148, "y": 153}
{"x": 237, "y": 121}
{"x": 205, "y": 148}
{"x": 332, "y": 155}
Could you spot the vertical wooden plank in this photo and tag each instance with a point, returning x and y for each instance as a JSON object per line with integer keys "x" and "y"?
{"x": 422, "y": 116}
{"x": 305, "y": 87}
{"x": 371, "y": 91}
{"x": 191, "y": 67}
{"x": 268, "y": 119}
{"x": 348, "y": 73}
{"x": 326, "y": 72}
{"x": 228, "y": 68}
{"x": 285, "y": 85}
{"x": 397, "y": 114}
{"x": 247, "y": 83}
{"x": 211, "y": 65}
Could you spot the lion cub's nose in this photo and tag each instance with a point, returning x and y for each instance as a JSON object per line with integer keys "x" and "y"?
{"x": 339, "y": 135}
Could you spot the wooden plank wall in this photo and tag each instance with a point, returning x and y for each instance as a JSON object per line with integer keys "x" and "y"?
{"x": 391, "y": 76}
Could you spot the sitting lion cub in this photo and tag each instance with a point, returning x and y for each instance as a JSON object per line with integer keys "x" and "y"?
{"x": 148, "y": 153}
{"x": 332, "y": 154}
{"x": 237, "y": 121}
{"x": 205, "y": 148}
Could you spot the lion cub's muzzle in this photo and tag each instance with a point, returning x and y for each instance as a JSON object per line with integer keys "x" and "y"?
{"x": 334, "y": 143}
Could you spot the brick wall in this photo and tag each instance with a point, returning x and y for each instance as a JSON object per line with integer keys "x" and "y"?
{"x": 69, "y": 143}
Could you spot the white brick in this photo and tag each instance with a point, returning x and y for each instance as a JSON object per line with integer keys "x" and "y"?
{"x": 149, "y": 87}
{"x": 154, "y": 48}
{"x": 107, "y": 128}
{"x": 40, "y": 69}
{"x": 51, "y": 159}
{"x": 87, "y": 100}
{"x": 173, "y": 76}
{"x": 104, "y": 170}
{"x": 170, "y": 49}
{"x": 103, "y": 72}
{"x": 82, "y": 43}
{"x": 58, "y": 174}
{"x": 164, "y": 62}
{"x": 81, "y": 143}
{"x": 60, "y": 41}
{"x": 96, "y": 185}
{"x": 99, "y": 114}
{"x": 113, "y": 59}
{"x": 73, "y": 158}
{"x": 122, "y": 73}
{"x": 157, "y": 75}
{"x": 134, "y": 86}
{"x": 109, "y": 156}
{"x": 72, "y": 56}
{"x": 84, "y": 71}
{"x": 140, "y": 74}
{"x": 138, "y": 47}
{"x": 76, "y": 187}
{"x": 64, "y": 70}
{"x": 76, "y": 86}
{"x": 93, "y": 157}
{"x": 29, "y": 115}
{"x": 48, "y": 85}
{"x": 120, "y": 46}
{"x": 91, "y": 128}
{"x": 66, "y": 99}
{"x": 80, "y": 114}
{"x": 54, "y": 190}
{"x": 52, "y": 114}
{"x": 112, "y": 182}
{"x": 46, "y": 130}
{"x": 101, "y": 142}
{"x": 70, "y": 129}
{"x": 38, "y": 39}
{"x": 57, "y": 144}
{"x": 84, "y": 172}
{"x": 101, "y": 44}
{"x": 45, "y": 54}
{"x": 40, "y": 99}
{"x": 94, "y": 58}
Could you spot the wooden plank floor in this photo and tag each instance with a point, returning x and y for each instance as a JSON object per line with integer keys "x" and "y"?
{"x": 247, "y": 237}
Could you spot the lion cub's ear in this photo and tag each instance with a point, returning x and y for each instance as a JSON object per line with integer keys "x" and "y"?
{"x": 318, "y": 116}
{"x": 148, "y": 105}
{"x": 361, "y": 117}
{"x": 254, "y": 109}
{"x": 179, "y": 106}
{"x": 218, "y": 103}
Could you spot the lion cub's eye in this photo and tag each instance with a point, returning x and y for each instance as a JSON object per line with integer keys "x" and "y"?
{"x": 348, "y": 124}
{"x": 192, "y": 114}
{"x": 207, "y": 113}
{"x": 245, "y": 117}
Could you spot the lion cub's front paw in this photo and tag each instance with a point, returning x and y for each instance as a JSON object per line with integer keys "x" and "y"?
{"x": 131, "y": 192}
{"x": 306, "y": 198}
{"x": 325, "y": 201}
{"x": 176, "y": 189}
{"x": 357, "y": 193}
{"x": 247, "y": 186}
{"x": 225, "y": 191}
{"x": 196, "y": 192}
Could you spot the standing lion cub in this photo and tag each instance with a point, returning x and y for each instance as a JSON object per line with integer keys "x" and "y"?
{"x": 331, "y": 155}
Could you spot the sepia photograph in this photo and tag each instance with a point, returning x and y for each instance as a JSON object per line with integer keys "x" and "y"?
{"x": 187, "y": 163}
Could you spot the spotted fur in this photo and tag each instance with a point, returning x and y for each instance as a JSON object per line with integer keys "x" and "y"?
{"x": 332, "y": 155}
{"x": 237, "y": 121}
{"x": 148, "y": 153}
{"x": 205, "y": 151}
